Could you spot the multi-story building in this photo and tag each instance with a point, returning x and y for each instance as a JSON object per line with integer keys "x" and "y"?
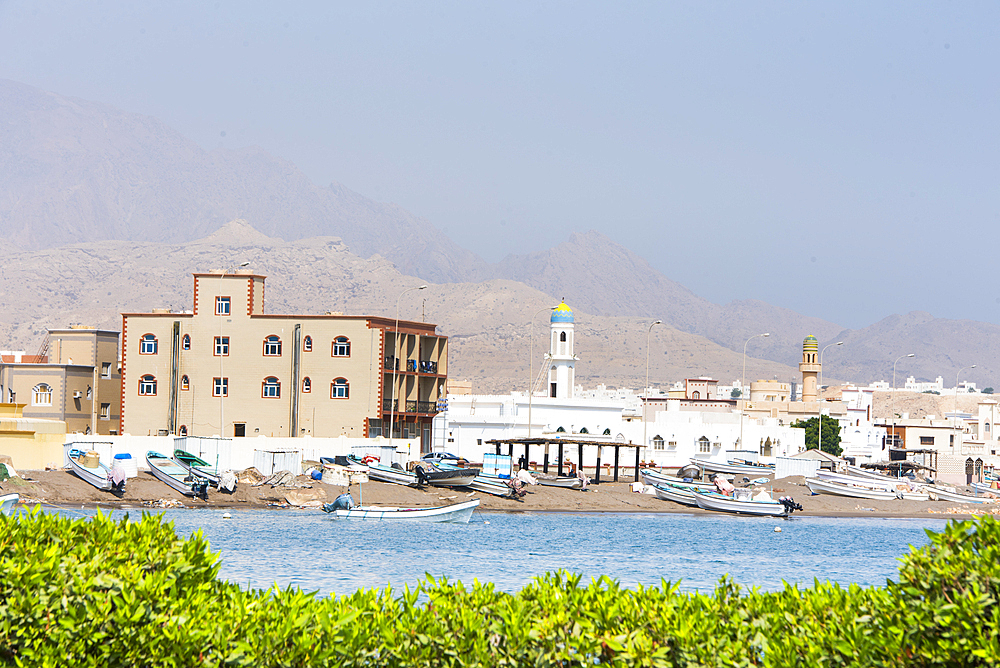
{"x": 227, "y": 368}
{"x": 74, "y": 379}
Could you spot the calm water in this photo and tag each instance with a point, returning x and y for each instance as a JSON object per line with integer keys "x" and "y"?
{"x": 312, "y": 551}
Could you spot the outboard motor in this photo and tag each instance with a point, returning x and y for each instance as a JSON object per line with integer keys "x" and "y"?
{"x": 343, "y": 502}
{"x": 421, "y": 476}
{"x": 789, "y": 504}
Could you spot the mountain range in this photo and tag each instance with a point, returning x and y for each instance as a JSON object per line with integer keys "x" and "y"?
{"x": 104, "y": 211}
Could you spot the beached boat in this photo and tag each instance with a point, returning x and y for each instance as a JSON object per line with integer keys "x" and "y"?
{"x": 887, "y": 484}
{"x": 744, "y": 503}
{"x": 732, "y": 468}
{"x": 382, "y": 473}
{"x": 565, "y": 481}
{"x": 458, "y": 513}
{"x": 90, "y": 469}
{"x": 681, "y": 495}
{"x": 820, "y": 486}
{"x": 653, "y": 478}
{"x": 490, "y": 484}
{"x": 7, "y": 502}
{"x": 167, "y": 471}
{"x": 956, "y": 497}
{"x": 197, "y": 466}
{"x": 432, "y": 475}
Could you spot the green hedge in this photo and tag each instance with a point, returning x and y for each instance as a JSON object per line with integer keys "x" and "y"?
{"x": 105, "y": 593}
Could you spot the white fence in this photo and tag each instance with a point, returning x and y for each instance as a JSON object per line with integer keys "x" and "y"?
{"x": 786, "y": 466}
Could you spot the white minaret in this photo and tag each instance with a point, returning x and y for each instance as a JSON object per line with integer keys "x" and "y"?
{"x": 560, "y": 356}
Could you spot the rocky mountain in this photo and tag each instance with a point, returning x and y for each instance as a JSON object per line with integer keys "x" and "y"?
{"x": 73, "y": 171}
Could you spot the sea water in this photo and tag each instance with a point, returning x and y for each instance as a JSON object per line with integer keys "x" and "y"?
{"x": 313, "y": 551}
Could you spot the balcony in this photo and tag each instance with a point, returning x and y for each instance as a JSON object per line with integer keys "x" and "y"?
{"x": 428, "y": 367}
{"x": 391, "y": 363}
{"x": 421, "y": 407}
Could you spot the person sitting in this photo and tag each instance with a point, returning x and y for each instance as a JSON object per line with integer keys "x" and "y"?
{"x": 570, "y": 469}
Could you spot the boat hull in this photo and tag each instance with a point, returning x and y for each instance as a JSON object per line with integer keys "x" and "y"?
{"x": 732, "y": 469}
{"x": 169, "y": 472}
{"x": 653, "y": 478}
{"x": 448, "y": 478}
{"x": 945, "y": 495}
{"x": 565, "y": 482}
{"x": 685, "y": 497}
{"x": 197, "y": 466}
{"x": 725, "y": 504}
{"x": 460, "y": 513}
{"x": 7, "y": 502}
{"x": 99, "y": 477}
{"x": 818, "y": 486}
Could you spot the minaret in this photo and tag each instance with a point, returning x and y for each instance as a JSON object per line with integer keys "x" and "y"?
{"x": 560, "y": 355}
{"x": 810, "y": 369}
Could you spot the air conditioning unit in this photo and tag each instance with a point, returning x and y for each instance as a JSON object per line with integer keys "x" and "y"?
{"x": 77, "y": 394}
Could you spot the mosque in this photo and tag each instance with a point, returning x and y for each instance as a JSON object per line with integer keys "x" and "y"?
{"x": 688, "y": 422}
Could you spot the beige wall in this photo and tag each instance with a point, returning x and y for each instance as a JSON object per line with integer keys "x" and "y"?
{"x": 30, "y": 442}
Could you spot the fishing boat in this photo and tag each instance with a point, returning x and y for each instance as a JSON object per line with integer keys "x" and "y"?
{"x": 888, "y": 484}
{"x": 490, "y": 484}
{"x": 681, "y": 495}
{"x": 820, "y": 486}
{"x": 732, "y": 468}
{"x": 744, "y": 503}
{"x": 88, "y": 467}
{"x": 167, "y": 471}
{"x": 7, "y": 502}
{"x": 943, "y": 494}
{"x": 654, "y": 478}
{"x": 459, "y": 513}
{"x": 565, "y": 481}
{"x": 382, "y": 473}
{"x": 432, "y": 475}
{"x": 197, "y": 466}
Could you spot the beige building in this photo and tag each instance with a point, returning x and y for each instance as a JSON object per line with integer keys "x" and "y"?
{"x": 229, "y": 367}
{"x": 31, "y": 443}
{"x": 74, "y": 379}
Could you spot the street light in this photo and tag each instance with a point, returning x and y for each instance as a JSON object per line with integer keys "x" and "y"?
{"x": 819, "y": 437}
{"x": 531, "y": 359}
{"x": 743, "y": 386}
{"x": 955, "y": 413}
{"x": 223, "y": 386}
{"x": 645, "y": 390}
{"x": 395, "y": 361}
{"x": 892, "y": 396}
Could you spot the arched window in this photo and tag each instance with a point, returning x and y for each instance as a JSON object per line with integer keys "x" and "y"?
{"x": 272, "y": 346}
{"x": 341, "y": 347}
{"x": 339, "y": 389}
{"x": 696, "y": 395}
{"x": 183, "y": 431}
{"x": 147, "y": 386}
{"x": 657, "y": 442}
{"x": 987, "y": 427}
{"x": 41, "y": 395}
{"x": 607, "y": 432}
{"x": 271, "y": 388}
{"x": 704, "y": 445}
{"x": 584, "y": 431}
{"x": 186, "y": 342}
{"x": 307, "y": 344}
{"x": 560, "y": 430}
{"x": 147, "y": 345}
{"x": 185, "y": 383}
{"x": 307, "y": 385}
{"x": 562, "y": 337}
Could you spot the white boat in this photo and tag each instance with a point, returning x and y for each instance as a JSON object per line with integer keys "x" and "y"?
{"x": 458, "y": 513}
{"x": 679, "y": 495}
{"x": 7, "y": 502}
{"x": 459, "y": 477}
{"x": 383, "y": 473}
{"x": 820, "y": 486}
{"x": 564, "y": 481}
{"x": 99, "y": 476}
{"x": 887, "y": 484}
{"x": 948, "y": 495}
{"x": 732, "y": 468}
{"x": 168, "y": 471}
{"x": 743, "y": 503}
{"x": 653, "y": 478}
{"x": 487, "y": 484}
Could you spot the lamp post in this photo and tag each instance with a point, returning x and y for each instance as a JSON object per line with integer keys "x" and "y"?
{"x": 743, "y": 382}
{"x": 819, "y": 437}
{"x": 395, "y": 360}
{"x": 645, "y": 390}
{"x": 892, "y": 396}
{"x": 531, "y": 359}
{"x": 955, "y": 413}
{"x": 223, "y": 386}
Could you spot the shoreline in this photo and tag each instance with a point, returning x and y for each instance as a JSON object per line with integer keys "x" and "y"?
{"x": 58, "y": 488}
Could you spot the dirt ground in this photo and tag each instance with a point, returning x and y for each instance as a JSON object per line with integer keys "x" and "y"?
{"x": 61, "y": 488}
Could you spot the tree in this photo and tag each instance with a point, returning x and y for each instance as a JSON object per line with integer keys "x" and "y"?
{"x": 736, "y": 393}
{"x": 987, "y": 390}
{"x": 831, "y": 434}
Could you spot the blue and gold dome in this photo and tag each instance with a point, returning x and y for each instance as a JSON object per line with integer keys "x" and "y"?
{"x": 562, "y": 313}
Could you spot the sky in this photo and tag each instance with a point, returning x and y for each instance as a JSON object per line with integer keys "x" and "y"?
{"x": 837, "y": 159}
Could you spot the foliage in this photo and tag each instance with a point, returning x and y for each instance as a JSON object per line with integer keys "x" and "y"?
{"x": 987, "y": 390}
{"x": 931, "y": 392}
{"x": 831, "y": 434}
{"x": 736, "y": 393}
{"x": 106, "y": 593}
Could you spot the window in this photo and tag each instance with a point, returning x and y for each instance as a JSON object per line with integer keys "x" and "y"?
{"x": 657, "y": 442}
{"x": 222, "y": 346}
{"x": 41, "y": 395}
{"x": 147, "y": 386}
{"x": 307, "y": 385}
{"x": 987, "y": 427}
{"x": 106, "y": 369}
{"x": 339, "y": 389}
{"x": 307, "y": 344}
{"x": 562, "y": 337}
{"x": 147, "y": 345}
{"x": 185, "y": 383}
{"x": 271, "y": 388}
{"x": 272, "y": 346}
{"x": 696, "y": 395}
{"x": 186, "y": 342}
{"x": 704, "y": 445}
{"x": 341, "y": 347}
{"x": 672, "y": 445}
{"x": 90, "y": 392}
{"x": 222, "y": 306}
{"x": 183, "y": 431}
{"x": 105, "y": 411}
{"x": 220, "y": 387}
{"x": 926, "y": 440}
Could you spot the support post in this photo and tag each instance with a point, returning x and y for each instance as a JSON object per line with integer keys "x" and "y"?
{"x": 597, "y": 469}
{"x": 526, "y": 453}
{"x": 559, "y": 470}
{"x": 580, "y": 457}
{"x": 637, "y": 463}
{"x": 617, "y": 448}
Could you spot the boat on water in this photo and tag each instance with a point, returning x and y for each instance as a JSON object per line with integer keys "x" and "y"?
{"x": 88, "y": 467}
{"x": 167, "y": 471}
{"x": 654, "y": 478}
{"x": 7, "y": 502}
{"x": 743, "y": 502}
{"x": 732, "y": 468}
{"x": 459, "y": 513}
{"x": 820, "y": 486}
{"x": 432, "y": 475}
{"x": 382, "y": 473}
{"x": 681, "y": 495}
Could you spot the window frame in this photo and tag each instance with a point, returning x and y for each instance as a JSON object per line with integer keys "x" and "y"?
{"x": 145, "y": 382}
{"x": 105, "y": 369}
{"x": 105, "y": 413}
{"x": 336, "y": 386}
{"x": 36, "y": 393}
{"x": 223, "y": 382}
{"x": 340, "y": 341}
{"x": 186, "y": 342}
{"x": 274, "y": 388}
{"x": 146, "y": 339}
{"x": 223, "y": 301}
{"x": 306, "y": 385}
{"x": 274, "y": 344}
{"x": 185, "y": 383}
{"x": 704, "y": 445}
{"x": 307, "y": 344}
{"x": 221, "y": 342}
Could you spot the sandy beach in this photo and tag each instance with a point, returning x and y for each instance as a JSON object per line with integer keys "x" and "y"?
{"x": 63, "y": 488}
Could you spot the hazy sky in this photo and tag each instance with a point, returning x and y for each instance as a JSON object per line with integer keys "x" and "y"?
{"x": 839, "y": 159}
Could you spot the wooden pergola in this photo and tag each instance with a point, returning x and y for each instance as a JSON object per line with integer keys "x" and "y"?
{"x": 561, "y": 443}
